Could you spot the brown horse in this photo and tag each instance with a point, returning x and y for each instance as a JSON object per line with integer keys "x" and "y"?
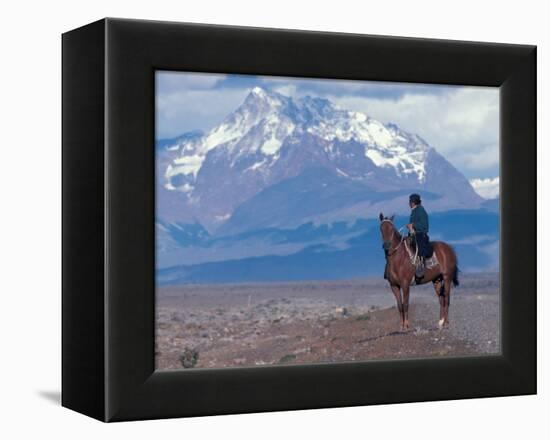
{"x": 401, "y": 271}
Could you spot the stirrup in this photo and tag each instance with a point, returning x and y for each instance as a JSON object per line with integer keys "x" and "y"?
{"x": 420, "y": 270}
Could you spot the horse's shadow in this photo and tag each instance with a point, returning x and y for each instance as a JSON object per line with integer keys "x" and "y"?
{"x": 399, "y": 333}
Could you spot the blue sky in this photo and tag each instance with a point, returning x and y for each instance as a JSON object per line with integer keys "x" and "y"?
{"x": 461, "y": 122}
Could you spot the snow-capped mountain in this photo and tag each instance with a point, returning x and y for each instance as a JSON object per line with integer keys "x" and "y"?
{"x": 278, "y": 161}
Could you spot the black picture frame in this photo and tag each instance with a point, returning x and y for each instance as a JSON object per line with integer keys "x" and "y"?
{"x": 108, "y": 298}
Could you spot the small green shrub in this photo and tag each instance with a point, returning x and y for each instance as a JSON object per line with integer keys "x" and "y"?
{"x": 287, "y": 358}
{"x": 189, "y": 357}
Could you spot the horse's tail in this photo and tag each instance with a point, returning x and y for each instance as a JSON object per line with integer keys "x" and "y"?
{"x": 455, "y": 276}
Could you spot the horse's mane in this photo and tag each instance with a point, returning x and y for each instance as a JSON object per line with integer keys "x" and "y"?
{"x": 396, "y": 232}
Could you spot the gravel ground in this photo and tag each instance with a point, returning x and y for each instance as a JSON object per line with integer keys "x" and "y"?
{"x": 475, "y": 319}
{"x": 258, "y": 324}
{"x": 474, "y": 313}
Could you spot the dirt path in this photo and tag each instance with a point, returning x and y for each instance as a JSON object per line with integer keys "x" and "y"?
{"x": 213, "y": 328}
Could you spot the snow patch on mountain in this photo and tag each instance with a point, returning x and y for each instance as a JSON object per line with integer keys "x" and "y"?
{"x": 185, "y": 165}
{"x": 265, "y": 120}
{"x": 256, "y": 165}
{"x": 222, "y": 134}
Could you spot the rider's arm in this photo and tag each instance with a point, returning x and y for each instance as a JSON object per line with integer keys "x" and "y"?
{"x": 412, "y": 220}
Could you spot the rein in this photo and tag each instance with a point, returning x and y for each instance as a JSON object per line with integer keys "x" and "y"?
{"x": 394, "y": 250}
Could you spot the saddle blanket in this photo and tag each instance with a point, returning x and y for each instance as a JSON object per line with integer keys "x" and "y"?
{"x": 432, "y": 261}
{"x": 429, "y": 263}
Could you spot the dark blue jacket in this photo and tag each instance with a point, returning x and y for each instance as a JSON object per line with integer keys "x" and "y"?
{"x": 419, "y": 219}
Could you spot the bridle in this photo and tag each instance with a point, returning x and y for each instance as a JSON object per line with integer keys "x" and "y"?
{"x": 390, "y": 251}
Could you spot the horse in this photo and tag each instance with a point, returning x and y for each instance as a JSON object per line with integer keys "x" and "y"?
{"x": 401, "y": 271}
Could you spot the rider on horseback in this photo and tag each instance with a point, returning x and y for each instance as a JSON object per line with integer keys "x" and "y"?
{"x": 419, "y": 225}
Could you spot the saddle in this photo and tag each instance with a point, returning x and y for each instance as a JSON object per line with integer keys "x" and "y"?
{"x": 430, "y": 260}
{"x": 429, "y": 248}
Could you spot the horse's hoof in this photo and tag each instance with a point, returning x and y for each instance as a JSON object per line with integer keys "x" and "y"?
{"x": 441, "y": 323}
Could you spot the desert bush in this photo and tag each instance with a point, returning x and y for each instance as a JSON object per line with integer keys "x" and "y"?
{"x": 287, "y": 358}
{"x": 189, "y": 357}
{"x": 363, "y": 317}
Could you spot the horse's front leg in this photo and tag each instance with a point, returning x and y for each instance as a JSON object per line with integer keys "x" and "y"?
{"x": 406, "y": 290}
{"x": 397, "y": 293}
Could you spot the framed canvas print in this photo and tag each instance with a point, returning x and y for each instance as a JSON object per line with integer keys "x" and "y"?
{"x": 267, "y": 219}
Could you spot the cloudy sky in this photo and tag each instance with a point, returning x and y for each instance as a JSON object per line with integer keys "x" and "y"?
{"x": 460, "y": 122}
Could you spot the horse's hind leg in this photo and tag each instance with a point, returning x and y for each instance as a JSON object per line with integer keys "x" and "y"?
{"x": 439, "y": 292}
{"x": 444, "y": 322}
{"x": 397, "y": 293}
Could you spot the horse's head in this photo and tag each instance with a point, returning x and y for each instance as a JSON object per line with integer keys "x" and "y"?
{"x": 387, "y": 230}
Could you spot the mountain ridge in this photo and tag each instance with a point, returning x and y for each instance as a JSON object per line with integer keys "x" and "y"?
{"x": 270, "y": 138}
{"x": 336, "y": 251}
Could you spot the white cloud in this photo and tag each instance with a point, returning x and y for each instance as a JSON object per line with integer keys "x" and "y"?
{"x": 188, "y": 110}
{"x": 286, "y": 90}
{"x": 463, "y": 124}
{"x": 487, "y": 188}
{"x": 168, "y": 82}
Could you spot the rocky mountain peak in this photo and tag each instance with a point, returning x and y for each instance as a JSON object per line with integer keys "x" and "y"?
{"x": 270, "y": 138}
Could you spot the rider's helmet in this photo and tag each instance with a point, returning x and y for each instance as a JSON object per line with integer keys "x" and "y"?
{"x": 415, "y": 198}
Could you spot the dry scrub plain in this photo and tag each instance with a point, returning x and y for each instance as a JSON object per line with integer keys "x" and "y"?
{"x": 229, "y": 325}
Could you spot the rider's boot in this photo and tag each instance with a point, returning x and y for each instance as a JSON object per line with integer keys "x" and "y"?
{"x": 420, "y": 267}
